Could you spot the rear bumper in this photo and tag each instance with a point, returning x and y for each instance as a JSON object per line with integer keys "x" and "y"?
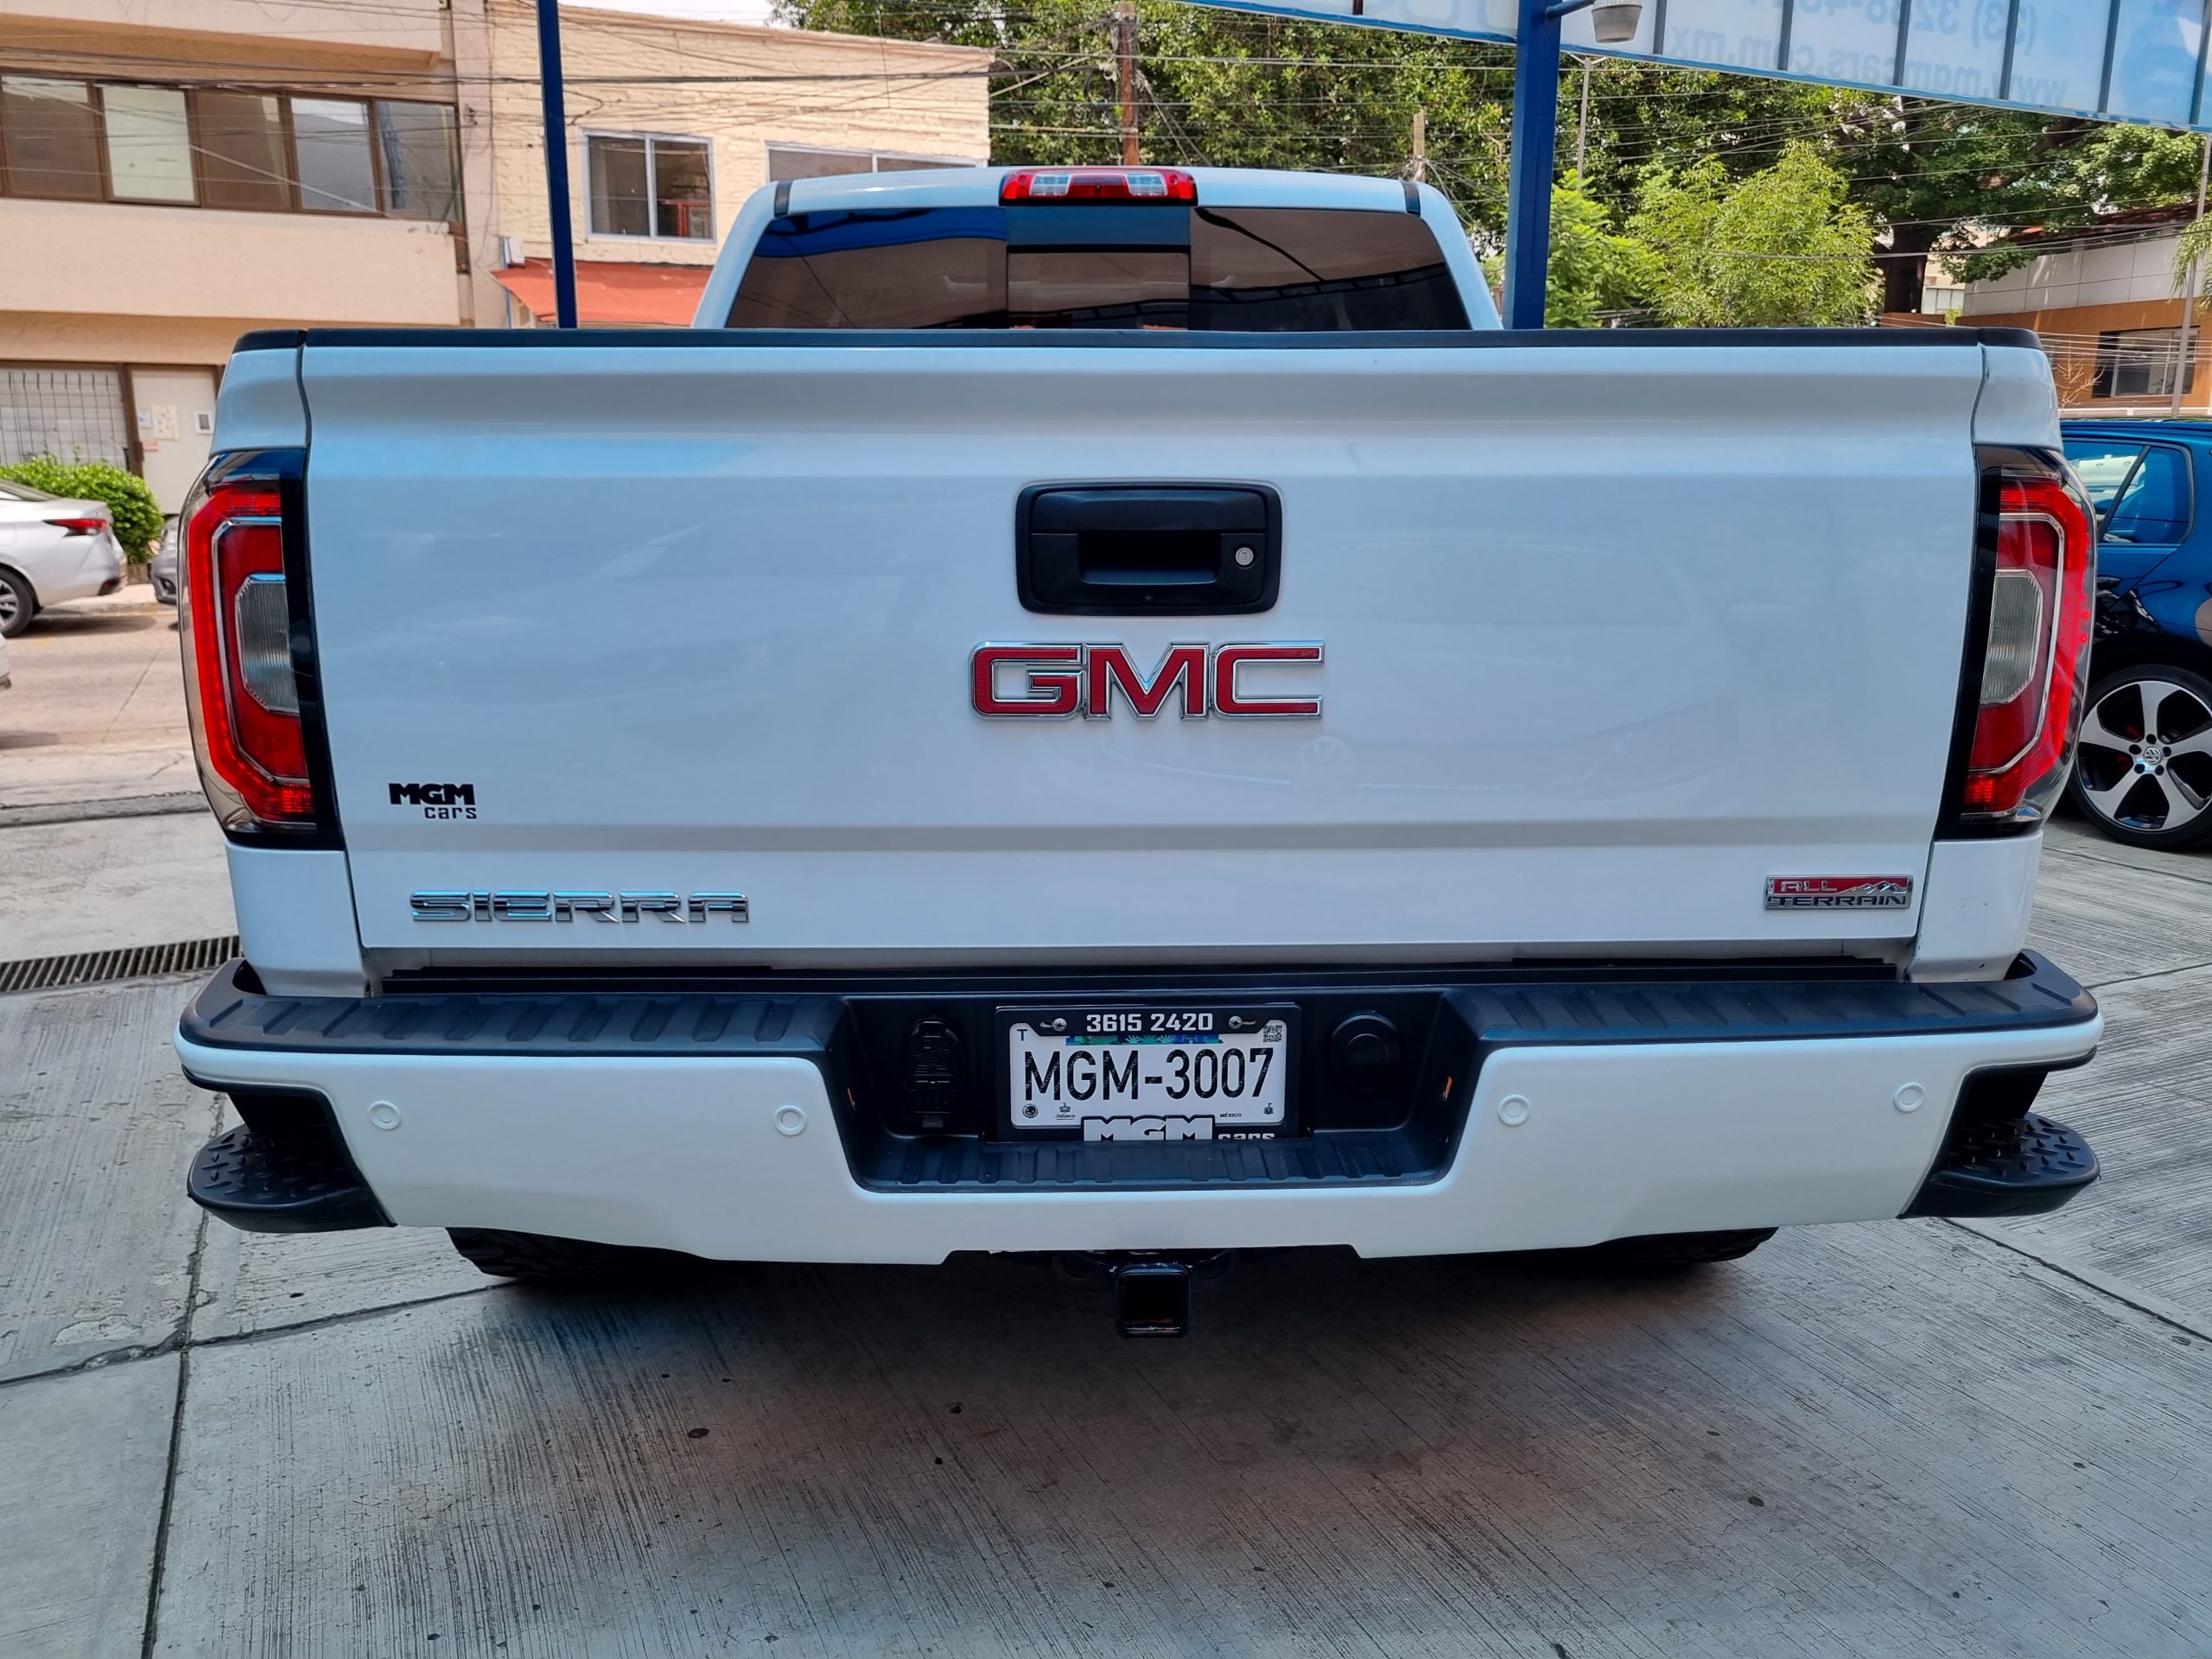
{"x": 735, "y": 1126}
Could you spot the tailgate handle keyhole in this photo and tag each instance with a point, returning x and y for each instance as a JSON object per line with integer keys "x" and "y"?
{"x": 1140, "y": 549}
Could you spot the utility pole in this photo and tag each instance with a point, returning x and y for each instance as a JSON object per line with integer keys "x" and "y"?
{"x": 1420, "y": 147}
{"x": 556, "y": 161}
{"x": 2183, "y": 357}
{"x": 1536, "y": 65}
{"x": 1125, "y": 76}
{"x": 1528, "y": 187}
{"x": 1582, "y": 124}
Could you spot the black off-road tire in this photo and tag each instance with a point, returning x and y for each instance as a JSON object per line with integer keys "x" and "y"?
{"x": 1672, "y": 1252}
{"x": 546, "y": 1260}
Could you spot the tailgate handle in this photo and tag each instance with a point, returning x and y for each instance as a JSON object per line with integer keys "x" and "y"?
{"x": 1135, "y": 549}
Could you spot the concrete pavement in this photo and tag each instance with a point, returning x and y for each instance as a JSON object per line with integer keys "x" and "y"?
{"x": 104, "y": 838}
{"x": 98, "y": 884}
{"x": 97, "y": 712}
{"x": 1903, "y": 1437}
{"x": 1886, "y": 1439}
{"x": 81, "y": 1492}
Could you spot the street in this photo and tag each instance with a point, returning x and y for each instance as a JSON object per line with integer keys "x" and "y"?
{"x": 1921, "y": 1437}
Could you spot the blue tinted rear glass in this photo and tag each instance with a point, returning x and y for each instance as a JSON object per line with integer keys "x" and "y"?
{"x": 1301, "y": 270}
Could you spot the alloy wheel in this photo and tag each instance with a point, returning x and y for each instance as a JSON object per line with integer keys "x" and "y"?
{"x": 2145, "y": 757}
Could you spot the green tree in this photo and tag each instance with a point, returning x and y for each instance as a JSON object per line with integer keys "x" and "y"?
{"x": 2193, "y": 257}
{"x": 1229, "y": 88}
{"x": 1933, "y": 176}
{"x": 1592, "y": 270}
{"x": 1942, "y": 177}
{"x": 1784, "y": 245}
{"x": 1643, "y": 114}
{"x": 1222, "y": 89}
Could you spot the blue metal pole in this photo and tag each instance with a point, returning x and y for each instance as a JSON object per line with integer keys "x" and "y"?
{"x": 1535, "y": 140}
{"x": 556, "y": 160}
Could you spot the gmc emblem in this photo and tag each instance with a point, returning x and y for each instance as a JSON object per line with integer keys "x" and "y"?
{"x": 1009, "y": 682}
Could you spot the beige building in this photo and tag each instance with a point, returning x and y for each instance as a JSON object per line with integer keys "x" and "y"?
{"x": 671, "y": 124}
{"x": 174, "y": 173}
{"x": 2104, "y": 300}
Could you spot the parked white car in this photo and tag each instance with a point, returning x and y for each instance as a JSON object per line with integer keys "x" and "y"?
{"x": 52, "y": 550}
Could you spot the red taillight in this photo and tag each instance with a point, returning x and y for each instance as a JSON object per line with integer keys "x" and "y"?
{"x": 1052, "y": 184}
{"x": 78, "y": 526}
{"x": 2036, "y": 658}
{"x": 243, "y": 701}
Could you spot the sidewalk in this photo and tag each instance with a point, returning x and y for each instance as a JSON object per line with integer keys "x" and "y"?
{"x": 97, "y": 713}
{"x": 104, "y": 839}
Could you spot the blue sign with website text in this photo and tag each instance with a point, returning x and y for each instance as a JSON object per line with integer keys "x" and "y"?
{"x": 2140, "y": 60}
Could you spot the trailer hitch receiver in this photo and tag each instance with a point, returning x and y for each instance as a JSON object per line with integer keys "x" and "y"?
{"x": 1151, "y": 1289}
{"x": 1151, "y": 1299}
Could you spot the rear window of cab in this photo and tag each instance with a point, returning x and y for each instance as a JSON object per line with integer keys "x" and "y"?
{"x": 1247, "y": 270}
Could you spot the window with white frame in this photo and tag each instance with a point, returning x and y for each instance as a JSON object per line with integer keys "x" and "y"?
{"x": 647, "y": 186}
{"x": 808, "y": 161}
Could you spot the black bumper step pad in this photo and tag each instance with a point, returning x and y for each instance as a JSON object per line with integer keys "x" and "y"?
{"x": 1503, "y": 1007}
{"x": 2012, "y": 1167}
{"x": 264, "y": 1183}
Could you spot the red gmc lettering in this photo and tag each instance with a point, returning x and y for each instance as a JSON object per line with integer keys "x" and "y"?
{"x": 1109, "y": 665}
{"x": 1227, "y": 659}
{"x": 1050, "y": 694}
{"x": 1058, "y": 680}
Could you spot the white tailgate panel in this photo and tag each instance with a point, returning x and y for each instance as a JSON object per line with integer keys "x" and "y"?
{"x": 1613, "y": 634}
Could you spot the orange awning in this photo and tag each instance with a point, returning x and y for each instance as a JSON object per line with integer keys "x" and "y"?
{"x": 611, "y": 295}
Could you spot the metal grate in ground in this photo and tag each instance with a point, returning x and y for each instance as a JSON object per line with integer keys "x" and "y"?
{"x": 133, "y": 962}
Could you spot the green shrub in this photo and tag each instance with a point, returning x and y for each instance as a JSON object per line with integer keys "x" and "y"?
{"x": 136, "y": 515}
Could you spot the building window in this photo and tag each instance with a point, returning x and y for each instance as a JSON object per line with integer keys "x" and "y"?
{"x": 645, "y": 186}
{"x": 806, "y": 161}
{"x": 149, "y": 144}
{"x": 331, "y": 136}
{"x": 271, "y": 151}
{"x": 2140, "y": 362}
{"x": 242, "y": 150}
{"x": 53, "y": 138}
{"x": 54, "y": 410}
{"x": 414, "y": 150}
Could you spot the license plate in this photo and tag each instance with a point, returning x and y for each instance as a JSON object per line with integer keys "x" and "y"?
{"x": 1149, "y": 1073}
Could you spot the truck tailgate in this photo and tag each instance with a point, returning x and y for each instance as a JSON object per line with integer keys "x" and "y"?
{"x": 1613, "y": 636}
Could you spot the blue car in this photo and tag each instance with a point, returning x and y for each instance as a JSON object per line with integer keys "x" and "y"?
{"x": 2144, "y": 771}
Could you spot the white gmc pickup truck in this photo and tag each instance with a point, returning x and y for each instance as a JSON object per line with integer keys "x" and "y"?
{"x": 1117, "y": 713}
